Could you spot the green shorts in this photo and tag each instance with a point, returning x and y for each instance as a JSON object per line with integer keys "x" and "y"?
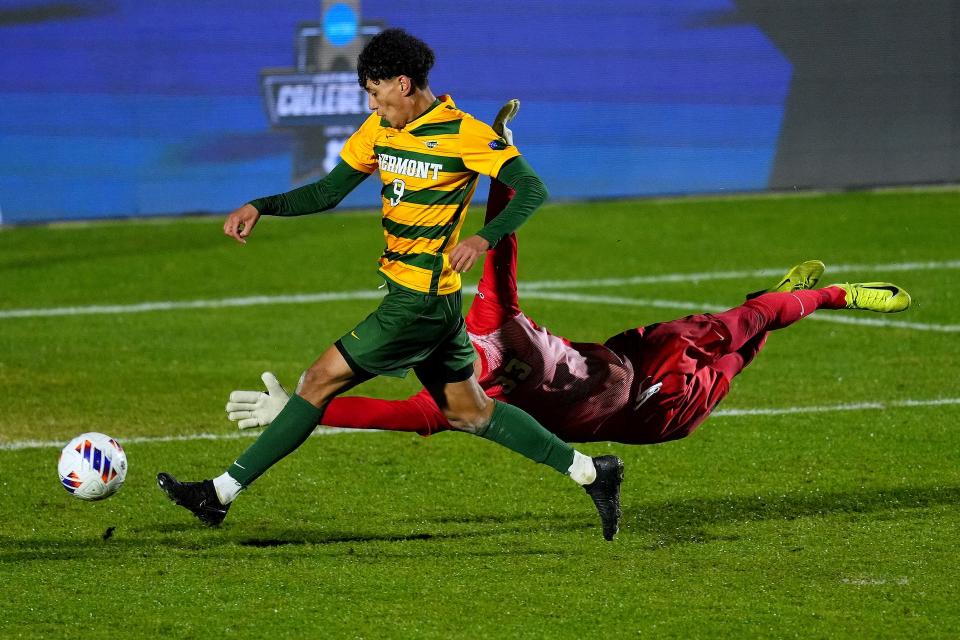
{"x": 412, "y": 331}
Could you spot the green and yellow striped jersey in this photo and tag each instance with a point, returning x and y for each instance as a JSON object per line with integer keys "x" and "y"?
{"x": 429, "y": 171}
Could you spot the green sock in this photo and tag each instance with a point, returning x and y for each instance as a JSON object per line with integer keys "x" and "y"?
{"x": 289, "y": 430}
{"x": 518, "y": 431}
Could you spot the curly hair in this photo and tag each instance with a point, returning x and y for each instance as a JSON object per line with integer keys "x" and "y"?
{"x": 392, "y": 53}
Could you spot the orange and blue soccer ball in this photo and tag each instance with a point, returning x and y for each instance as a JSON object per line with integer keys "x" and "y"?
{"x": 92, "y": 466}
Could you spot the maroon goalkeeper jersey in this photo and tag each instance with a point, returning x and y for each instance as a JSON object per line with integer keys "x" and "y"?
{"x": 571, "y": 388}
{"x": 645, "y": 385}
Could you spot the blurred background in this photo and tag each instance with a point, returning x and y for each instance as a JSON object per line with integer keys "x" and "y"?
{"x": 121, "y": 108}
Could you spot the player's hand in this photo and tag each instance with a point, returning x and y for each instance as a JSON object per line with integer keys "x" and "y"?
{"x": 252, "y": 409}
{"x": 240, "y": 223}
{"x": 464, "y": 255}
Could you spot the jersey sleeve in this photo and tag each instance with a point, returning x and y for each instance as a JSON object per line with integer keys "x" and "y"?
{"x": 313, "y": 198}
{"x": 529, "y": 193}
{"x": 358, "y": 150}
{"x": 482, "y": 149}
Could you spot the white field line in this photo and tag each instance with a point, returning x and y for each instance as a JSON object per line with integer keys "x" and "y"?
{"x": 826, "y": 316}
{"x": 853, "y": 406}
{"x": 528, "y": 288}
{"x": 307, "y": 298}
{"x": 872, "y": 582}
{"x": 18, "y": 445}
{"x": 170, "y": 305}
{"x": 878, "y": 269}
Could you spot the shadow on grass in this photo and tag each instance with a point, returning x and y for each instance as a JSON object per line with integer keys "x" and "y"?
{"x": 684, "y": 521}
{"x": 304, "y": 538}
{"x": 193, "y": 538}
{"x": 498, "y": 525}
{"x": 670, "y": 522}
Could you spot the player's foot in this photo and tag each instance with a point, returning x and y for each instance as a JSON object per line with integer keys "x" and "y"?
{"x": 805, "y": 275}
{"x": 605, "y": 492}
{"x": 882, "y": 297}
{"x": 504, "y": 116}
{"x": 200, "y": 498}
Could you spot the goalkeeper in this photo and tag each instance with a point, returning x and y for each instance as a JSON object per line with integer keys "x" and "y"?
{"x": 645, "y": 385}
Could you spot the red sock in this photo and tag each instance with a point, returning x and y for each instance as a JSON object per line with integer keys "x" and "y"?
{"x": 783, "y": 309}
{"x": 836, "y": 298}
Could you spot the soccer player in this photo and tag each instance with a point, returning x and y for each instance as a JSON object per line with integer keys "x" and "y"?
{"x": 429, "y": 154}
{"x": 645, "y": 385}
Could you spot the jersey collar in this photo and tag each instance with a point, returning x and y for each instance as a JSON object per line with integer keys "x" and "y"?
{"x": 432, "y": 112}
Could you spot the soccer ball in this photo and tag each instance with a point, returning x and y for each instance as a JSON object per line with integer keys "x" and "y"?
{"x": 93, "y": 466}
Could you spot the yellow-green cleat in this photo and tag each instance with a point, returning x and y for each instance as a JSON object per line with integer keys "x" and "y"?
{"x": 805, "y": 275}
{"x": 881, "y": 297}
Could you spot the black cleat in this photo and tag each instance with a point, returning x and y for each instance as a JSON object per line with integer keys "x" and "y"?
{"x": 200, "y": 498}
{"x": 605, "y": 492}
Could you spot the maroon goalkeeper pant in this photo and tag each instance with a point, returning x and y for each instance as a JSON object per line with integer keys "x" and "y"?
{"x": 693, "y": 359}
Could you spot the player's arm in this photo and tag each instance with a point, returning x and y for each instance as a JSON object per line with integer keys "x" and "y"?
{"x": 499, "y": 195}
{"x": 419, "y": 413}
{"x": 529, "y": 194}
{"x": 357, "y": 160}
{"x": 319, "y": 196}
{"x": 484, "y": 151}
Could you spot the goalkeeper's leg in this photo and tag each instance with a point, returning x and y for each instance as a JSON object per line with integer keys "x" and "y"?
{"x": 750, "y": 322}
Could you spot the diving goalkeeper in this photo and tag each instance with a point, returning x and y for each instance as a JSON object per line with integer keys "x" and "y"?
{"x": 645, "y": 385}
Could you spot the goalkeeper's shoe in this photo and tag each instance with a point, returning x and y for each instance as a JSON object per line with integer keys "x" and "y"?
{"x": 882, "y": 297}
{"x": 200, "y": 498}
{"x": 504, "y": 116}
{"x": 805, "y": 275}
{"x": 605, "y": 492}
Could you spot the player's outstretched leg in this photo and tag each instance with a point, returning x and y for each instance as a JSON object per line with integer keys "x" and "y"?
{"x": 804, "y": 276}
{"x": 748, "y": 323}
{"x": 791, "y": 299}
{"x": 605, "y": 492}
{"x": 200, "y": 498}
{"x": 517, "y": 430}
{"x": 882, "y": 297}
{"x": 209, "y": 499}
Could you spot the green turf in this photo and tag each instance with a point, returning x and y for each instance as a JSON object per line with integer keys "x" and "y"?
{"x": 834, "y": 524}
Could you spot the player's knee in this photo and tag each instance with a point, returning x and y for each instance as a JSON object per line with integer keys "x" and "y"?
{"x": 319, "y": 383}
{"x": 472, "y": 420}
{"x": 315, "y": 377}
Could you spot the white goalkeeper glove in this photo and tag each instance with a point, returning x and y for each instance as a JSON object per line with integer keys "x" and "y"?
{"x": 252, "y": 409}
{"x": 507, "y": 113}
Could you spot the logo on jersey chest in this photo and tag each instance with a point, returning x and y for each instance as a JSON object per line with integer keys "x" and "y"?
{"x": 406, "y": 167}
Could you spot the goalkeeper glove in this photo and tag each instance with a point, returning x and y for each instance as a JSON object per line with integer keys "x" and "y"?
{"x": 252, "y": 409}
{"x": 504, "y": 116}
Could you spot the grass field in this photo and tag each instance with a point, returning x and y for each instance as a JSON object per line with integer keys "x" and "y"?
{"x": 823, "y": 517}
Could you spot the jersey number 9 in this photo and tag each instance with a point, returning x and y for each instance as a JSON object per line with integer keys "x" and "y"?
{"x": 399, "y": 186}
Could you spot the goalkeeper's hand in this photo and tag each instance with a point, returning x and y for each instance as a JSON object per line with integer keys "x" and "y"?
{"x": 252, "y": 409}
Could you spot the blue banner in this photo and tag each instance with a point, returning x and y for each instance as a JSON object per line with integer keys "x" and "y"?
{"x": 127, "y": 108}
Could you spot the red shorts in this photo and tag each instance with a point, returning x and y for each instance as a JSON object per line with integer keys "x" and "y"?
{"x": 683, "y": 356}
